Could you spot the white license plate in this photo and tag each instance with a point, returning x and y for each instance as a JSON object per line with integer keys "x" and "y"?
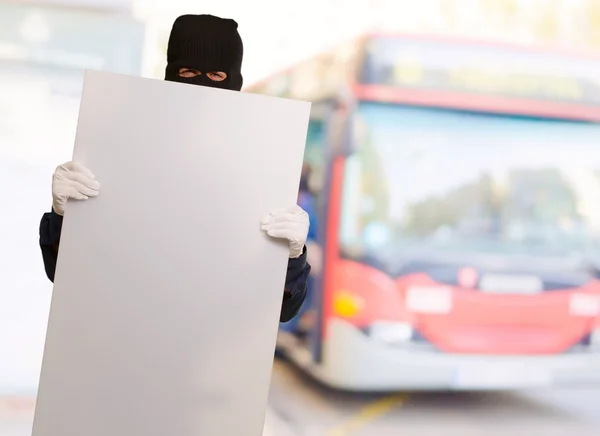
{"x": 511, "y": 284}
{"x": 500, "y": 376}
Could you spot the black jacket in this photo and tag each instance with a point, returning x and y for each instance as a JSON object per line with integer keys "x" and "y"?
{"x": 295, "y": 281}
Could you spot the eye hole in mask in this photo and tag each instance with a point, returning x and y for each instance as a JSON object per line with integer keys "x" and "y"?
{"x": 215, "y": 76}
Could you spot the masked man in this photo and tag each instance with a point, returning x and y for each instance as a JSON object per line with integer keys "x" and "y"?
{"x": 203, "y": 50}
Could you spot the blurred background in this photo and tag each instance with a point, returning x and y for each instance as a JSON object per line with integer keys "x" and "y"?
{"x": 452, "y": 175}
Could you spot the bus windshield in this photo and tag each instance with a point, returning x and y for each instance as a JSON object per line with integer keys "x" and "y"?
{"x": 445, "y": 181}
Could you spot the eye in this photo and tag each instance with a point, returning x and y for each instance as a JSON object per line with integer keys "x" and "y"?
{"x": 188, "y": 72}
{"x": 217, "y": 76}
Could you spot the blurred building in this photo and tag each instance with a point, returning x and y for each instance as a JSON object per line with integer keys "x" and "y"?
{"x": 567, "y": 23}
{"x": 45, "y": 46}
{"x": 111, "y": 6}
{"x": 277, "y": 35}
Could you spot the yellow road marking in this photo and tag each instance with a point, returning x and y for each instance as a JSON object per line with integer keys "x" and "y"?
{"x": 368, "y": 414}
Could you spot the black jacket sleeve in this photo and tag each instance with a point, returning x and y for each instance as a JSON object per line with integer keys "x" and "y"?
{"x": 295, "y": 281}
{"x": 295, "y": 287}
{"x": 50, "y": 228}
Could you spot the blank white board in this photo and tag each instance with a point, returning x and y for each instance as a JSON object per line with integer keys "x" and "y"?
{"x": 167, "y": 292}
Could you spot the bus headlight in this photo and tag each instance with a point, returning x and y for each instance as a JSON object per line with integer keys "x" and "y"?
{"x": 391, "y": 333}
{"x": 429, "y": 299}
{"x": 347, "y": 305}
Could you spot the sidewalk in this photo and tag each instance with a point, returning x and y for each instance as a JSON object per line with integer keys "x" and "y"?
{"x": 275, "y": 426}
{"x": 16, "y": 416}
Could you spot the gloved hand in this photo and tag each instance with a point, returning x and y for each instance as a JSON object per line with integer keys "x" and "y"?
{"x": 72, "y": 180}
{"x": 290, "y": 223}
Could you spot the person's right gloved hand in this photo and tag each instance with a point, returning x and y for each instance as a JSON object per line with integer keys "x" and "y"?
{"x": 72, "y": 180}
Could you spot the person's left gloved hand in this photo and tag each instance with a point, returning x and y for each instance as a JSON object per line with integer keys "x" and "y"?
{"x": 290, "y": 223}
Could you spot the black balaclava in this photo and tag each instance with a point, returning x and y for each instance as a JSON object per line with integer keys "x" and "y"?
{"x": 208, "y": 44}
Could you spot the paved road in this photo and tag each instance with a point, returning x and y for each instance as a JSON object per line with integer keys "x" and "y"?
{"x": 16, "y": 415}
{"x": 310, "y": 410}
{"x": 314, "y": 411}
{"x": 16, "y": 418}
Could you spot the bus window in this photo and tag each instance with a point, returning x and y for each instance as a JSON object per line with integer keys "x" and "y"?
{"x": 312, "y": 174}
{"x": 310, "y": 199}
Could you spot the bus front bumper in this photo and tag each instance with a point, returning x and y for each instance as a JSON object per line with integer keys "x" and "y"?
{"x": 353, "y": 361}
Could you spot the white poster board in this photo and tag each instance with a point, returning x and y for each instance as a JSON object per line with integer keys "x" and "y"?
{"x": 167, "y": 292}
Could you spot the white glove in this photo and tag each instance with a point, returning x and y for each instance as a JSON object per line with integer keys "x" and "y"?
{"x": 72, "y": 180}
{"x": 292, "y": 224}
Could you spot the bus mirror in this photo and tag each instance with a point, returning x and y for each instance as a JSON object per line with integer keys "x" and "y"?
{"x": 357, "y": 132}
{"x": 336, "y": 132}
{"x": 347, "y": 130}
{"x": 315, "y": 180}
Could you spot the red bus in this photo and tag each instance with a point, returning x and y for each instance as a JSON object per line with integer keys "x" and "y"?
{"x": 456, "y": 194}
